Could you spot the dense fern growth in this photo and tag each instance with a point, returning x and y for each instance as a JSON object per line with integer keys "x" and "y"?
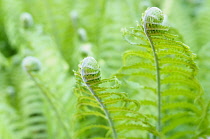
{"x": 155, "y": 94}
{"x": 165, "y": 70}
{"x": 104, "y": 111}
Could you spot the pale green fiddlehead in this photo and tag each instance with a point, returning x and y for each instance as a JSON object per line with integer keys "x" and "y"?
{"x": 90, "y": 73}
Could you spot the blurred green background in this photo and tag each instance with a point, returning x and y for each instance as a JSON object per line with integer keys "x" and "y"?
{"x": 60, "y": 33}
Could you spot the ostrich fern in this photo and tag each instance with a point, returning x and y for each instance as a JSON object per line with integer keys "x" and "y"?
{"x": 169, "y": 64}
{"x": 112, "y": 113}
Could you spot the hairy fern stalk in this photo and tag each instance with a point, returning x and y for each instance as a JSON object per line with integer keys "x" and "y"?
{"x": 102, "y": 112}
{"x": 164, "y": 70}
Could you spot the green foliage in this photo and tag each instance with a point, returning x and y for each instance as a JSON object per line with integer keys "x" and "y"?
{"x": 160, "y": 89}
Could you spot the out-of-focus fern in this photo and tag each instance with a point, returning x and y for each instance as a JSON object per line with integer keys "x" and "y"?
{"x": 100, "y": 109}
{"x": 31, "y": 65}
{"x": 9, "y": 116}
{"x": 34, "y": 37}
{"x": 165, "y": 70}
{"x": 23, "y": 102}
{"x": 34, "y": 121}
{"x": 58, "y": 28}
{"x": 10, "y": 122}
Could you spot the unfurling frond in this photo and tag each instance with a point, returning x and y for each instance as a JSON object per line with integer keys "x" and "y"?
{"x": 102, "y": 109}
{"x": 165, "y": 69}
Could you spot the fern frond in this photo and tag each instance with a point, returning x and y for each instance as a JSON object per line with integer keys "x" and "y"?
{"x": 103, "y": 107}
{"x": 169, "y": 63}
{"x": 11, "y": 127}
{"x": 35, "y": 122}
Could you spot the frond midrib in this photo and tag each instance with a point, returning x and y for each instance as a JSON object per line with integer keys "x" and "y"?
{"x": 106, "y": 112}
{"x": 157, "y": 72}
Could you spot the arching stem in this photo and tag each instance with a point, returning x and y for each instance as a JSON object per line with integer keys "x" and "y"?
{"x": 106, "y": 112}
{"x": 157, "y": 75}
{"x": 45, "y": 93}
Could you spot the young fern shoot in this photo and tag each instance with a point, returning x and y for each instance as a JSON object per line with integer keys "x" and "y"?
{"x": 90, "y": 72}
{"x": 165, "y": 69}
{"x": 102, "y": 110}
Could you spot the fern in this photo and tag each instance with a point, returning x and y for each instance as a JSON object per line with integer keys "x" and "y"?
{"x": 31, "y": 65}
{"x": 51, "y": 31}
{"x": 100, "y": 109}
{"x": 9, "y": 116}
{"x": 166, "y": 69}
{"x": 32, "y": 112}
{"x": 52, "y": 108}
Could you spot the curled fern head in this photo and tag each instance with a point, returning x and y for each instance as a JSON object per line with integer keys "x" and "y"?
{"x": 153, "y": 15}
{"x": 89, "y": 70}
{"x": 31, "y": 64}
{"x": 26, "y": 20}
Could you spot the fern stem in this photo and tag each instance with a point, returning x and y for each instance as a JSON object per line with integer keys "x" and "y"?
{"x": 114, "y": 133}
{"x": 157, "y": 75}
{"x": 44, "y": 92}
